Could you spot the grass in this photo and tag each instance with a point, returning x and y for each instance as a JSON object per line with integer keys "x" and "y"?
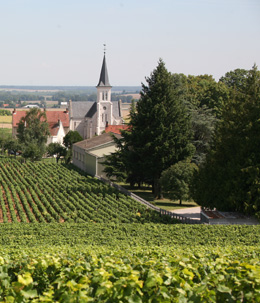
{"x": 5, "y": 131}
{"x": 145, "y": 192}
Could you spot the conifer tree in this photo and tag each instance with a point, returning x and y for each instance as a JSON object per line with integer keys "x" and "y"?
{"x": 159, "y": 134}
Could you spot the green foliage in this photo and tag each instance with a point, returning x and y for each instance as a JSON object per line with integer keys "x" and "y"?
{"x": 229, "y": 180}
{"x": 70, "y": 138}
{"x": 5, "y": 112}
{"x": 56, "y": 149}
{"x": 176, "y": 180}
{"x": 5, "y": 138}
{"x": 205, "y": 91}
{"x": 13, "y": 145}
{"x": 111, "y": 234}
{"x": 235, "y": 80}
{"x": 48, "y": 192}
{"x": 203, "y": 125}
{"x": 143, "y": 275}
{"x": 160, "y": 132}
{"x": 32, "y": 133}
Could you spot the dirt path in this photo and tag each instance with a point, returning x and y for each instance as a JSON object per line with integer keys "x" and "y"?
{"x": 5, "y": 125}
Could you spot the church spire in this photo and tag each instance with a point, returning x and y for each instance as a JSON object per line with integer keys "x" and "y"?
{"x": 103, "y": 80}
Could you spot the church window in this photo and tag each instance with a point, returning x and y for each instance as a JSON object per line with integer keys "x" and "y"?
{"x": 104, "y": 108}
{"x": 104, "y": 96}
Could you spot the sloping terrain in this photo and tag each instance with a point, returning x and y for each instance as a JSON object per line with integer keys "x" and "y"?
{"x": 48, "y": 192}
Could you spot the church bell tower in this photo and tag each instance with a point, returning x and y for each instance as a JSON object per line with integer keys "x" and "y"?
{"x": 104, "y": 104}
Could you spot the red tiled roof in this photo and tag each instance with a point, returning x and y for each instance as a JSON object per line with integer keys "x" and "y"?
{"x": 53, "y": 118}
{"x": 116, "y": 129}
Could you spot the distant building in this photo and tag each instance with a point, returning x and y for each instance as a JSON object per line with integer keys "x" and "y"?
{"x": 90, "y": 118}
{"x": 58, "y": 124}
{"x": 31, "y": 106}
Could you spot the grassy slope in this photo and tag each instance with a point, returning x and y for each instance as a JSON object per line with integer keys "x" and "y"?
{"x": 145, "y": 192}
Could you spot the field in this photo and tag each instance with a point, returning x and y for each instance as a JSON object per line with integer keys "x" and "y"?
{"x": 47, "y": 192}
{"x": 5, "y": 119}
{"x": 74, "y": 239}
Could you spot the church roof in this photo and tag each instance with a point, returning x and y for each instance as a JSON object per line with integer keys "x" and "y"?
{"x": 103, "y": 80}
{"x": 81, "y": 109}
{"x": 92, "y": 110}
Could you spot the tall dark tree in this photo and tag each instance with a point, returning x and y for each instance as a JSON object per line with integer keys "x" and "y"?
{"x": 230, "y": 178}
{"x": 70, "y": 138}
{"x": 160, "y": 131}
{"x": 203, "y": 124}
{"x": 32, "y": 133}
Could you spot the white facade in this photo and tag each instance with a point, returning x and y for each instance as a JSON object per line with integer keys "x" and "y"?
{"x": 91, "y": 118}
{"x": 57, "y": 138}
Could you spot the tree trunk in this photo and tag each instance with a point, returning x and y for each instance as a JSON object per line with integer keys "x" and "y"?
{"x": 157, "y": 189}
{"x": 180, "y": 201}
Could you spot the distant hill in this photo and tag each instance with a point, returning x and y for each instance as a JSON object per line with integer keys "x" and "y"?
{"x": 118, "y": 89}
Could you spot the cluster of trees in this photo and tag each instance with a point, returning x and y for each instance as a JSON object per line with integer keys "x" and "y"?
{"x": 19, "y": 97}
{"x": 193, "y": 136}
{"x": 32, "y": 135}
{"x": 5, "y": 112}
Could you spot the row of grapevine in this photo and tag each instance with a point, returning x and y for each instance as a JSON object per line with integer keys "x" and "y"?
{"x": 159, "y": 274}
{"x": 128, "y": 235}
{"x": 45, "y": 192}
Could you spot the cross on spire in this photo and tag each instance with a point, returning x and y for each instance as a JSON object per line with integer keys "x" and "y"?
{"x": 104, "y": 48}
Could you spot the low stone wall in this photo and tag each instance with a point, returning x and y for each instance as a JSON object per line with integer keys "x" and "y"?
{"x": 226, "y": 219}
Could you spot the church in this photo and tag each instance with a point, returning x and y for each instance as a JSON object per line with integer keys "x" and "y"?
{"x": 91, "y": 118}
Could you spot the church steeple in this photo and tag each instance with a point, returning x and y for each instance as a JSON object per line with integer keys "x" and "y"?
{"x": 104, "y": 104}
{"x": 103, "y": 80}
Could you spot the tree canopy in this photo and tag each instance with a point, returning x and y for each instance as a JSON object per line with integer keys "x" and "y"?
{"x": 32, "y": 133}
{"x": 160, "y": 132}
{"x": 230, "y": 177}
{"x": 176, "y": 180}
{"x": 71, "y": 137}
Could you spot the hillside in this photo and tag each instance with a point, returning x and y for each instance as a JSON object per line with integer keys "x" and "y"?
{"x": 74, "y": 239}
{"x": 48, "y": 192}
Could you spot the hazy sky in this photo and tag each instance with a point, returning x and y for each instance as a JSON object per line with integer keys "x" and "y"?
{"x": 60, "y": 42}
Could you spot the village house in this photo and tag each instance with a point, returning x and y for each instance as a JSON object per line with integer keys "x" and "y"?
{"x": 89, "y": 154}
{"x": 58, "y": 121}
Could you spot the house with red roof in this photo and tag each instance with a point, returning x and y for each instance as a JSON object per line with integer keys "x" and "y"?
{"x": 58, "y": 121}
{"x": 116, "y": 129}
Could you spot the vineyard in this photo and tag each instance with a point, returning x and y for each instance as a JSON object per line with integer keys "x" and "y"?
{"x": 70, "y": 238}
{"x": 40, "y": 192}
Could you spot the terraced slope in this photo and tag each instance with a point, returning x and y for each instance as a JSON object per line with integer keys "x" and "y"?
{"x": 48, "y": 193}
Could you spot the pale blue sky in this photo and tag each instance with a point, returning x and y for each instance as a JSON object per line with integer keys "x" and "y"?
{"x": 60, "y": 42}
